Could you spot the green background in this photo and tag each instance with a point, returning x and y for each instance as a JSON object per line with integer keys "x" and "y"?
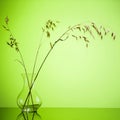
{"x": 73, "y": 75}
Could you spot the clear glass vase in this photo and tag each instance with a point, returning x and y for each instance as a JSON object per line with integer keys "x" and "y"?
{"x": 28, "y": 100}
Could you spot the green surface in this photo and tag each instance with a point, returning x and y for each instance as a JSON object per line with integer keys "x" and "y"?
{"x": 73, "y": 76}
{"x": 66, "y": 114}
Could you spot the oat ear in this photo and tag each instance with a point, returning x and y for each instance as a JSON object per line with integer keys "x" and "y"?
{"x": 6, "y": 20}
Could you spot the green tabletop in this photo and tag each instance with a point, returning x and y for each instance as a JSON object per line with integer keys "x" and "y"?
{"x": 63, "y": 114}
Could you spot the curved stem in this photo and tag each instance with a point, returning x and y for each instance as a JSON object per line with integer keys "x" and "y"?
{"x": 26, "y": 77}
{"x": 24, "y": 68}
{"x": 36, "y": 57}
{"x": 60, "y": 39}
{"x": 22, "y": 63}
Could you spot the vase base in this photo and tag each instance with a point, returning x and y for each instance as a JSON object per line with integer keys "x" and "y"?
{"x": 31, "y": 108}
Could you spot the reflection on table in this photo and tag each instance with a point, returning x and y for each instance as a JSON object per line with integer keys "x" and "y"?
{"x": 28, "y": 116}
{"x": 62, "y": 114}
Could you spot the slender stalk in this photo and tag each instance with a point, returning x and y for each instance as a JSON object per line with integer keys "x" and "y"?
{"x": 24, "y": 67}
{"x": 26, "y": 75}
{"x": 36, "y": 57}
{"x": 24, "y": 116}
{"x": 35, "y": 64}
{"x": 33, "y": 115}
{"x": 21, "y": 56}
{"x": 22, "y": 63}
{"x": 36, "y": 76}
{"x": 60, "y": 39}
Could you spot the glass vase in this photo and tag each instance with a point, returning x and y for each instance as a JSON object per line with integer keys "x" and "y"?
{"x": 28, "y": 100}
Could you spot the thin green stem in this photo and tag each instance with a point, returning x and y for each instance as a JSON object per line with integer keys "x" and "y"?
{"x": 36, "y": 57}
{"x": 34, "y": 65}
{"x": 26, "y": 76}
{"x": 21, "y": 56}
{"x": 60, "y": 39}
{"x": 23, "y": 64}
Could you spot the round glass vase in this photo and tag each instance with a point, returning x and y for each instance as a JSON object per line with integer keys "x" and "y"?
{"x": 28, "y": 99}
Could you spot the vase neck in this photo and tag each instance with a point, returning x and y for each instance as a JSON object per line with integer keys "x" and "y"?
{"x": 28, "y": 78}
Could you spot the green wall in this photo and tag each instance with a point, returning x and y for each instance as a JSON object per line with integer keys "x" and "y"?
{"x": 73, "y": 75}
